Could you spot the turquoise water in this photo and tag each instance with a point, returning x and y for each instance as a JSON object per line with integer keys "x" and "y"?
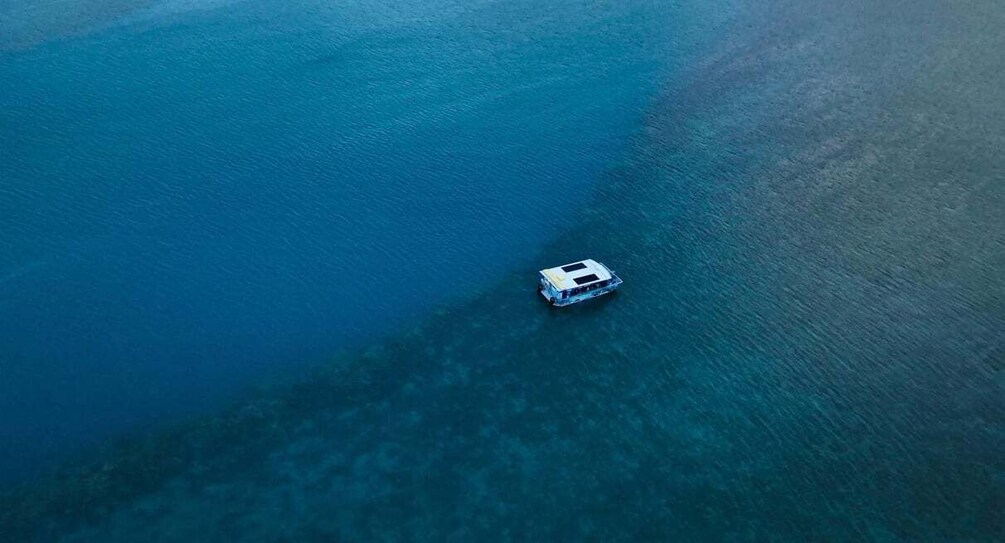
{"x": 808, "y": 344}
{"x": 199, "y": 199}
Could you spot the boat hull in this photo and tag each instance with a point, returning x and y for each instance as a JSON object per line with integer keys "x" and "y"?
{"x": 581, "y": 297}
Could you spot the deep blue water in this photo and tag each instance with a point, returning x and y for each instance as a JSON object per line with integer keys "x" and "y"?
{"x": 195, "y": 198}
{"x": 803, "y": 197}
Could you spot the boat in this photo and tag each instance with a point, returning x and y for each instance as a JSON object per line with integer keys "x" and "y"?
{"x": 576, "y": 282}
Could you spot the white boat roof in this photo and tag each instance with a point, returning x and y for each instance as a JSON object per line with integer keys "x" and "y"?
{"x": 576, "y": 274}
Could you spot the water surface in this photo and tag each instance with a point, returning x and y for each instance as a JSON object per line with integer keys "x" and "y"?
{"x": 201, "y": 195}
{"x": 808, "y": 344}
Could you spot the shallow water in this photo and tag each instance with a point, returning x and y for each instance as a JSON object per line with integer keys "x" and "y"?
{"x": 808, "y": 345}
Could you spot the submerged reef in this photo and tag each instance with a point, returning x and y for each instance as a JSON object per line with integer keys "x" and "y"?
{"x": 209, "y": 448}
{"x": 807, "y": 345}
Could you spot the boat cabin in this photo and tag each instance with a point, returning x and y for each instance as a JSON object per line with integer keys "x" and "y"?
{"x": 576, "y": 282}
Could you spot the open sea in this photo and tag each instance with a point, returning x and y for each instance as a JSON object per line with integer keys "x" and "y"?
{"x": 267, "y": 270}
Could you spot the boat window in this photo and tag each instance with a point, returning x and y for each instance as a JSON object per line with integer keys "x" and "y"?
{"x": 586, "y": 279}
{"x": 574, "y": 267}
